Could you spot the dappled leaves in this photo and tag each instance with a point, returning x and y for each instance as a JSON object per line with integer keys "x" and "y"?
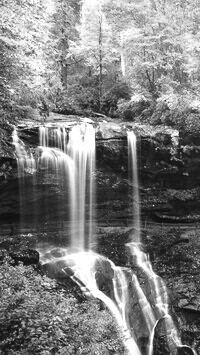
{"x": 37, "y": 317}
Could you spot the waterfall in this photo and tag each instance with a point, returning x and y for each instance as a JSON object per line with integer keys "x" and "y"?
{"x": 72, "y": 155}
{"x": 83, "y": 267}
{"x": 26, "y": 164}
{"x": 25, "y": 160}
{"x": 133, "y": 172}
{"x": 69, "y": 155}
{"x": 159, "y": 308}
{"x": 81, "y": 148}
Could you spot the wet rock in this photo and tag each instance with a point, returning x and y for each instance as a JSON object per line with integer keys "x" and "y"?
{"x": 110, "y": 130}
{"x": 64, "y": 275}
{"x": 183, "y": 302}
{"x": 177, "y": 263}
{"x": 163, "y": 164}
{"x": 184, "y": 350}
{"x": 104, "y": 275}
{"x": 54, "y": 270}
{"x": 163, "y": 343}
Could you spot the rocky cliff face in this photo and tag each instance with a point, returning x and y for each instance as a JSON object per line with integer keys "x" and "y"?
{"x": 168, "y": 166}
{"x": 168, "y": 170}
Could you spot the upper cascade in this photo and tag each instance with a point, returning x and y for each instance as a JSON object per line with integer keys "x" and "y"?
{"x": 70, "y": 155}
{"x": 133, "y": 178}
{"x": 25, "y": 159}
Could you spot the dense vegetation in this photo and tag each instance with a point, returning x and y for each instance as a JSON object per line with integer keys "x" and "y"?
{"x": 121, "y": 58}
{"x": 38, "y": 317}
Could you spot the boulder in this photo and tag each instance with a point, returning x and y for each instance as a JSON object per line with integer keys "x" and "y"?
{"x": 163, "y": 343}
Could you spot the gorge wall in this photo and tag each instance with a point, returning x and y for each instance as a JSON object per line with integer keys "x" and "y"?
{"x": 168, "y": 169}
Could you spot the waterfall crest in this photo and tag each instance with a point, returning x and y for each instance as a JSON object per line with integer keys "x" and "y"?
{"x": 70, "y": 156}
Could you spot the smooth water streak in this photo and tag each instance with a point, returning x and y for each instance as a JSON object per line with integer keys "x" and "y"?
{"x": 78, "y": 145}
{"x": 81, "y": 148}
{"x": 133, "y": 172}
{"x": 158, "y": 289}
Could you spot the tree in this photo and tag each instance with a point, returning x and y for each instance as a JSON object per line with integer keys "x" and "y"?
{"x": 158, "y": 41}
{"x": 96, "y": 41}
{"x": 25, "y": 39}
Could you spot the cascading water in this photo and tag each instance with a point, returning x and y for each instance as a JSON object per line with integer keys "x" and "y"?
{"x": 133, "y": 172}
{"x": 70, "y": 156}
{"x": 125, "y": 283}
{"x": 25, "y": 160}
{"x": 81, "y": 148}
{"x": 26, "y": 164}
{"x": 157, "y": 308}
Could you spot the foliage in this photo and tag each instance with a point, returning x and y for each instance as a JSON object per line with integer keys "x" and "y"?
{"x": 81, "y": 95}
{"x": 24, "y": 51}
{"x": 110, "y": 99}
{"x": 34, "y": 38}
{"x": 39, "y": 318}
{"x": 159, "y": 43}
{"x": 72, "y": 54}
{"x": 157, "y": 47}
{"x": 133, "y": 109}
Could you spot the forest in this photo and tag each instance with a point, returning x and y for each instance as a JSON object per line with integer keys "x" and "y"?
{"x": 123, "y": 59}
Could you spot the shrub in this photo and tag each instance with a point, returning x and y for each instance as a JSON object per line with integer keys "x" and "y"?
{"x": 38, "y": 317}
{"x": 131, "y": 110}
{"x": 110, "y": 99}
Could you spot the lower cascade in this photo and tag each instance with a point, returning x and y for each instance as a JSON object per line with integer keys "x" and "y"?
{"x": 135, "y": 295}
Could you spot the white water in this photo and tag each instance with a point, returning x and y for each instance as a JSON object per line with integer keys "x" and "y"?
{"x": 26, "y": 164}
{"x": 159, "y": 297}
{"x": 81, "y": 148}
{"x": 71, "y": 158}
{"x": 84, "y": 270}
{"x": 25, "y": 160}
{"x": 83, "y": 267}
{"x": 133, "y": 172}
{"x": 63, "y": 167}
{"x": 44, "y": 136}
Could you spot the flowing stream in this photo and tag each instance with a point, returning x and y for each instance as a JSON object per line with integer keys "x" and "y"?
{"x": 69, "y": 154}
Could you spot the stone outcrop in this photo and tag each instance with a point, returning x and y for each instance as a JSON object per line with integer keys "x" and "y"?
{"x": 175, "y": 255}
{"x": 168, "y": 165}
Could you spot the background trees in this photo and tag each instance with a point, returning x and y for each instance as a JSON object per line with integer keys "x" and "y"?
{"x": 34, "y": 38}
{"x": 90, "y": 55}
{"x": 25, "y": 40}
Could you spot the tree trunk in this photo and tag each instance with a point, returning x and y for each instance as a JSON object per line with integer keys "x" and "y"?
{"x": 123, "y": 65}
{"x": 64, "y": 44}
{"x": 123, "y": 68}
{"x": 100, "y": 63}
